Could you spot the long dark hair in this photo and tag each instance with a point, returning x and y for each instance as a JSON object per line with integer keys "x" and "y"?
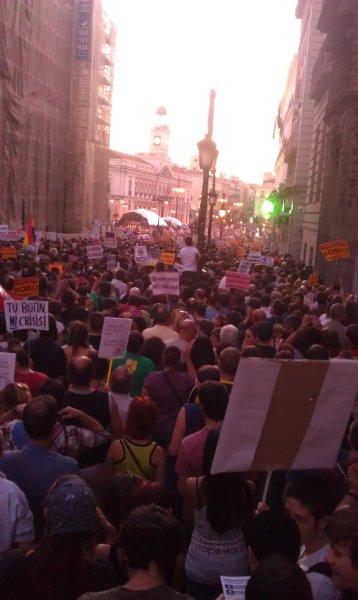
{"x": 59, "y": 567}
{"x": 229, "y": 501}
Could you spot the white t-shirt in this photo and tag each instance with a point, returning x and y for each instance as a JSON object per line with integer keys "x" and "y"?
{"x": 120, "y": 287}
{"x": 122, "y": 402}
{"x": 188, "y": 256}
{"x": 16, "y": 522}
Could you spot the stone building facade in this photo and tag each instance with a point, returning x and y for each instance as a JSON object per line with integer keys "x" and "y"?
{"x": 295, "y": 122}
{"x": 331, "y": 209}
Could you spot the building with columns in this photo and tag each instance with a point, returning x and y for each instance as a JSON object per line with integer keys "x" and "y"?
{"x": 331, "y": 208}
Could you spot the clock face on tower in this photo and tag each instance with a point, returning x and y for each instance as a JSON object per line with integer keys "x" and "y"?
{"x": 157, "y": 140}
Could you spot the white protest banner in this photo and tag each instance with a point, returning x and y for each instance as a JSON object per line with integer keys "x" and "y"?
{"x": 111, "y": 261}
{"x": 254, "y": 257}
{"x": 234, "y": 587}
{"x": 110, "y": 240}
{"x": 140, "y": 254}
{"x": 7, "y": 368}
{"x": 245, "y": 266}
{"x": 286, "y": 415}
{"x": 94, "y": 252}
{"x": 114, "y": 337}
{"x": 26, "y": 314}
{"x": 165, "y": 283}
{"x": 267, "y": 261}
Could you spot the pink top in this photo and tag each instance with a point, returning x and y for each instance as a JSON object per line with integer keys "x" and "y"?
{"x": 190, "y": 456}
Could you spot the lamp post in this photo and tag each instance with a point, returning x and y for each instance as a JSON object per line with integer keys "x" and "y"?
{"x": 213, "y": 196}
{"x": 222, "y": 214}
{"x": 208, "y": 154}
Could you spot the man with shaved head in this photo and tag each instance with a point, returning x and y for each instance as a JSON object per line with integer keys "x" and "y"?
{"x": 93, "y": 402}
{"x": 187, "y": 334}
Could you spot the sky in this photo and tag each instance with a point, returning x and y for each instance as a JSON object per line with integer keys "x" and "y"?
{"x": 172, "y": 52}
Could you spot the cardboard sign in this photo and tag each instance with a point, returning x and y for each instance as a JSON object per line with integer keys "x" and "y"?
{"x": 254, "y": 257}
{"x": 26, "y": 314}
{"x": 94, "y": 252}
{"x": 167, "y": 258}
{"x": 234, "y": 587}
{"x": 165, "y": 283}
{"x": 238, "y": 281}
{"x": 140, "y": 254}
{"x": 8, "y": 252}
{"x": 313, "y": 279}
{"x": 267, "y": 261}
{"x": 26, "y": 286}
{"x": 56, "y": 265}
{"x": 245, "y": 266}
{"x": 335, "y": 250}
{"x": 111, "y": 261}
{"x": 7, "y": 368}
{"x": 10, "y": 235}
{"x": 310, "y": 398}
{"x": 110, "y": 241}
{"x": 114, "y": 337}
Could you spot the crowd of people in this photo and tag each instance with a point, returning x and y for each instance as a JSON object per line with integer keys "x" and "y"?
{"x": 106, "y": 490}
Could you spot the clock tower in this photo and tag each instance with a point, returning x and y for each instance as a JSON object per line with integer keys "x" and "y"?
{"x": 160, "y": 135}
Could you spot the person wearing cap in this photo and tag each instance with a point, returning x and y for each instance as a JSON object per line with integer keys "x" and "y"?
{"x": 63, "y": 565}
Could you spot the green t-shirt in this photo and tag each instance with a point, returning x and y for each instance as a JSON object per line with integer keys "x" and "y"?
{"x": 139, "y": 366}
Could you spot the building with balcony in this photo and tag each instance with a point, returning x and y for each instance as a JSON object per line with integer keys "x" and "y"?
{"x": 331, "y": 209}
{"x": 295, "y": 124}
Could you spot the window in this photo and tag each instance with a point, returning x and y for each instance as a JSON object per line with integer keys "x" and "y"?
{"x": 304, "y": 254}
{"x": 311, "y": 257}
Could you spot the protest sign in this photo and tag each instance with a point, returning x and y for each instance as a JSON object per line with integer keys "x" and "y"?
{"x": 10, "y": 235}
{"x": 111, "y": 261}
{"x": 234, "y": 587}
{"x": 8, "y": 252}
{"x": 140, "y": 254}
{"x": 313, "y": 279}
{"x": 245, "y": 266}
{"x": 94, "y": 252}
{"x": 7, "y": 368}
{"x": 110, "y": 241}
{"x": 254, "y": 257}
{"x": 311, "y": 398}
{"x": 335, "y": 250}
{"x": 56, "y": 265}
{"x": 114, "y": 337}
{"x": 3, "y": 228}
{"x": 26, "y": 314}
{"x": 165, "y": 283}
{"x": 167, "y": 258}
{"x": 26, "y": 286}
{"x": 236, "y": 280}
{"x": 267, "y": 261}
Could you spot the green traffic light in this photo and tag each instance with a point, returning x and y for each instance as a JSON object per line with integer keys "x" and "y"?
{"x": 267, "y": 207}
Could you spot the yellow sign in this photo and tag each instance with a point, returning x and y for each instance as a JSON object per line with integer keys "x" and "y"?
{"x": 8, "y": 252}
{"x": 313, "y": 279}
{"x": 335, "y": 250}
{"x": 56, "y": 265}
{"x": 25, "y": 287}
{"x": 167, "y": 258}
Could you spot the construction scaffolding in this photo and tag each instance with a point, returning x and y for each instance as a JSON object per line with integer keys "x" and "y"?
{"x": 56, "y": 70}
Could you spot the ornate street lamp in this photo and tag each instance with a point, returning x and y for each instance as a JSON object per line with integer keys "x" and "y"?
{"x": 208, "y": 154}
{"x": 213, "y": 196}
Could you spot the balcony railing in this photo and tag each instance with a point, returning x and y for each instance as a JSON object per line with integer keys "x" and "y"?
{"x": 321, "y": 74}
